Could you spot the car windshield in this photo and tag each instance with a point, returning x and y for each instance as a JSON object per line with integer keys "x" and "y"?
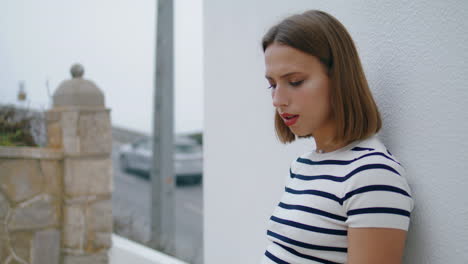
{"x": 179, "y": 147}
{"x": 183, "y": 148}
{"x": 147, "y": 145}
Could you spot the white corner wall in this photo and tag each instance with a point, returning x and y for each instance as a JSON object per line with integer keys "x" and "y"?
{"x": 415, "y": 56}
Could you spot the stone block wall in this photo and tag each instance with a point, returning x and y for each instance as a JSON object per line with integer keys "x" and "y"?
{"x": 55, "y": 202}
{"x": 31, "y": 202}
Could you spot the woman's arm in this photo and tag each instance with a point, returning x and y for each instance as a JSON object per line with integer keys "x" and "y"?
{"x": 375, "y": 245}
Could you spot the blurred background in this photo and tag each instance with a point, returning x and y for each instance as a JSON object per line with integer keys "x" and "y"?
{"x": 115, "y": 42}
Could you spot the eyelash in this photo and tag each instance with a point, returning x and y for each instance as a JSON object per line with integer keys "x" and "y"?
{"x": 295, "y": 84}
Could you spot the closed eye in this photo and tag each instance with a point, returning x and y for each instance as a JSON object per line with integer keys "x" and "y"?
{"x": 296, "y": 83}
{"x": 272, "y": 86}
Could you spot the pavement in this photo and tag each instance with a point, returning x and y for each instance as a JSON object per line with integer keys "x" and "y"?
{"x": 132, "y": 209}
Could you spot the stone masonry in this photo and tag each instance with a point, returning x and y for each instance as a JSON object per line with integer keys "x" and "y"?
{"x": 30, "y": 205}
{"x": 55, "y": 202}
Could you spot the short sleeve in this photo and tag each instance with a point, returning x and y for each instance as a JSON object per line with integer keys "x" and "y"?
{"x": 378, "y": 196}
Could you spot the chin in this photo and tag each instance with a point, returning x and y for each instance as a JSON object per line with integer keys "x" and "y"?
{"x": 305, "y": 136}
{"x": 301, "y": 134}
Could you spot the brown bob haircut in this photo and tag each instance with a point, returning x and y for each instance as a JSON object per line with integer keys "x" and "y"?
{"x": 323, "y": 36}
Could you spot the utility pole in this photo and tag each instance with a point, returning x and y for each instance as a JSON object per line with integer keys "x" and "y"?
{"x": 162, "y": 175}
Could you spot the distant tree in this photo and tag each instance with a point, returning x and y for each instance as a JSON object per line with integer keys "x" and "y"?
{"x": 198, "y": 136}
{"x": 15, "y": 127}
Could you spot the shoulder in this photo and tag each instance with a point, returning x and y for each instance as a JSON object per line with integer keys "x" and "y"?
{"x": 373, "y": 154}
{"x": 374, "y": 163}
{"x": 377, "y": 194}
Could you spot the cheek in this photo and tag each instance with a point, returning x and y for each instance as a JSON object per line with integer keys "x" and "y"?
{"x": 315, "y": 101}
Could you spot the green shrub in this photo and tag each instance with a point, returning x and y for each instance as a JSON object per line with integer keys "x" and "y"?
{"x": 15, "y": 130}
{"x": 198, "y": 136}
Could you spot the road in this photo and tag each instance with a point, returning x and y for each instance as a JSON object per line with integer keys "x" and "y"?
{"x": 132, "y": 209}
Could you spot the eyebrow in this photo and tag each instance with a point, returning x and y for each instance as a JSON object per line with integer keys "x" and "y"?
{"x": 282, "y": 76}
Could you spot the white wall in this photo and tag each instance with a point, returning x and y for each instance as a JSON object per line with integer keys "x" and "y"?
{"x": 414, "y": 55}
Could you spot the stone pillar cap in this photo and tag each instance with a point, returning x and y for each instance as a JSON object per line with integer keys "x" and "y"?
{"x": 78, "y": 91}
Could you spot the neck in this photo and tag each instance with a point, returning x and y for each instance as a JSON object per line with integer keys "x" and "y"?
{"x": 327, "y": 146}
{"x": 324, "y": 140}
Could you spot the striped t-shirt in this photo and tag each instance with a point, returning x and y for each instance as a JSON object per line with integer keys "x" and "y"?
{"x": 360, "y": 185}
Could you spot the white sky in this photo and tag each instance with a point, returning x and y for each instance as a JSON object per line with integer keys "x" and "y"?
{"x": 114, "y": 40}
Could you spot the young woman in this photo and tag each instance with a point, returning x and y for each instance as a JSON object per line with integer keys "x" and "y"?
{"x": 348, "y": 200}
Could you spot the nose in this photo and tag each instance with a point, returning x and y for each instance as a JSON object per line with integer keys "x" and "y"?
{"x": 280, "y": 97}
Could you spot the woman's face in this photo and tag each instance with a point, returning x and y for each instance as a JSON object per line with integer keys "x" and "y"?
{"x": 299, "y": 88}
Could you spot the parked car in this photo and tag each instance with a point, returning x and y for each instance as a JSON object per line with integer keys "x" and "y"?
{"x": 188, "y": 158}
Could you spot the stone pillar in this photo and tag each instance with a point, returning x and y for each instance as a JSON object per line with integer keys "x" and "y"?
{"x": 80, "y": 125}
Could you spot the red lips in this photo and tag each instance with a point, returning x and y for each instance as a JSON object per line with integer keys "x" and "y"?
{"x": 289, "y": 119}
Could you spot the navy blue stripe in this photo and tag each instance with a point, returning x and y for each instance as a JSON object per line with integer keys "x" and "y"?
{"x": 343, "y": 162}
{"x": 274, "y": 258}
{"x": 361, "y": 149}
{"x": 309, "y": 227}
{"x": 305, "y": 245}
{"x": 379, "y": 210}
{"x": 312, "y": 211}
{"x": 314, "y": 192}
{"x": 371, "y": 188}
{"x": 299, "y": 254}
{"x": 349, "y": 175}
